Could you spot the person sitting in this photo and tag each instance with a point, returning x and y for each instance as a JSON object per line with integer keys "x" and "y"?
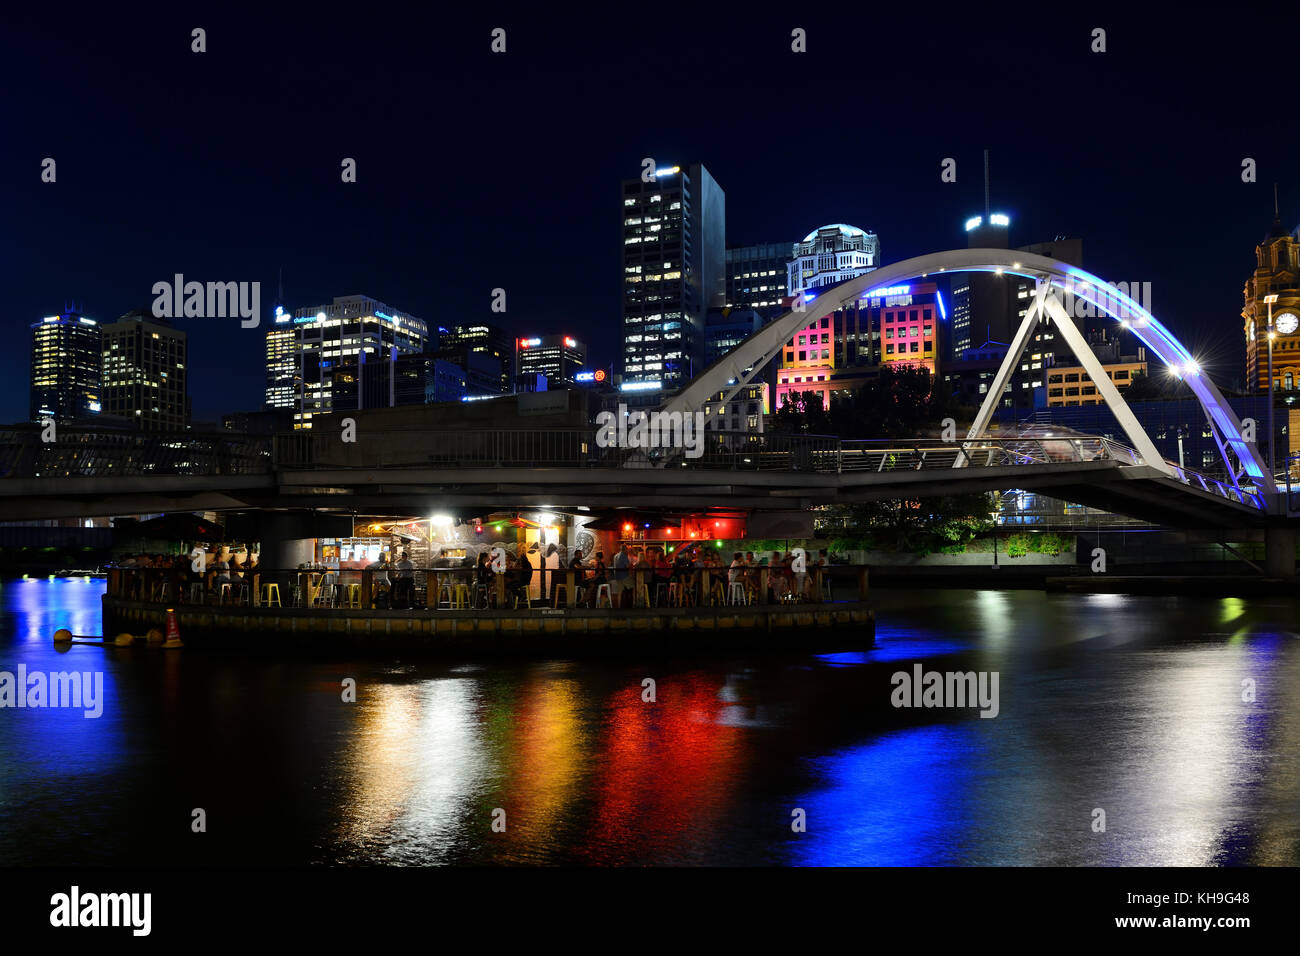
{"x": 404, "y": 581}
{"x": 597, "y": 576}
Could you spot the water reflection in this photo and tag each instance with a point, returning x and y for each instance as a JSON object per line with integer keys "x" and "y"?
{"x": 1133, "y": 705}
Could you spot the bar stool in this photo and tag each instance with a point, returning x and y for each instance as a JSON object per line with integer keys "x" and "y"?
{"x": 716, "y": 593}
{"x": 737, "y": 593}
{"x": 555, "y": 598}
{"x": 353, "y": 595}
{"x": 642, "y": 598}
{"x": 271, "y": 595}
{"x": 603, "y": 590}
{"x": 661, "y": 589}
{"x": 196, "y": 592}
{"x": 245, "y": 595}
{"x": 295, "y": 595}
{"x": 459, "y": 597}
{"x": 221, "y": 594}
{"x": 675, "y": 593}
{"x": 826, "y": 588}
{"x": 445, "y": 593}
{"x": 327, "y": 595}
{"x": 164, "y": 591}
{"x": 484, "y": 591}
{"x": 521, "y": 594}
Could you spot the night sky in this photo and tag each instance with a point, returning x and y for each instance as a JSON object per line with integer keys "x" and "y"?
{"x": 478, "y": 170}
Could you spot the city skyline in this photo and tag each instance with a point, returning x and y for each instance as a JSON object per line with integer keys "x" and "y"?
{"x": 402, "y": 234}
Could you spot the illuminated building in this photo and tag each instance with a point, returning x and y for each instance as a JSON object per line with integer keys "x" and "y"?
{"x": 909, "y": 325}
{"x": 66, "y": 368}
{"x": 843, "y": 349}
{"x": 1070, "y": 384}
{"x": 144, "y": 377}
{"x": 674, "y": 271}
{"x": 485, "y": 352}
{"x": 831, "y": 255}
{"x": 281, "y": 362}
{"x": 331, "y": 339}
{"x": 558, "y": 357}
{"x": 1277, "y": 272}
{"x": 757, "y": 277}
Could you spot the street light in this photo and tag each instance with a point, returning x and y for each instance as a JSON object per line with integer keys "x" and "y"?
{"x": 1269, "y": 300}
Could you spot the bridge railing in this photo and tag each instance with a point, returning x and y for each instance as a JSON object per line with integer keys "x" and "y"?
{"x": 103, "y": 453}
{"x": 468, "y": 589}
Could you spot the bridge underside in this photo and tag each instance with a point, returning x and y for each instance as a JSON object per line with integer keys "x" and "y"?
{"x": 1137, "y": 491}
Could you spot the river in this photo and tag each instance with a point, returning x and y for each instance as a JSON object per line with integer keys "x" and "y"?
{"x": 1176, "y": 718}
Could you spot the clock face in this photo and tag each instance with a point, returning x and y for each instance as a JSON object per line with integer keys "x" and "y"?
{"x": 1286, "y": 323}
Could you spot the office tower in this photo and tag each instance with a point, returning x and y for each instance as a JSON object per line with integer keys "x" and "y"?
{"x": 831, "y": 255}
{"x": 469, "y": 346}
{"x": 66, "y": 368}
{"x": 757, "y": 277}
{"x": 558, "y": 357}
{"x": 282, "y": 363}
{"x": 726, "y": 328}
{"x": 340, "y": 339}
{"x": 144, "y": 361}
{"x": 674, "y": 271}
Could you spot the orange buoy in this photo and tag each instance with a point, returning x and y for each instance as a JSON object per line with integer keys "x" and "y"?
{"x": 173, "y": 630}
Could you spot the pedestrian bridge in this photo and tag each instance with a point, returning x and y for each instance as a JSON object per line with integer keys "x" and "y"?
{"x": 89, "y": 473}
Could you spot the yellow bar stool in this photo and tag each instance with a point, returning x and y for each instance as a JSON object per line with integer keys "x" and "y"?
{"x": 354, "y": 595}
{"x": 271, "y": 595}
{"x": 460, "y": 596}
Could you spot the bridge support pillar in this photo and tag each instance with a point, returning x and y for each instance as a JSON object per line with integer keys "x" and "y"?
{"x": 1279, "y": 552}
{"x": 289, "y": 539}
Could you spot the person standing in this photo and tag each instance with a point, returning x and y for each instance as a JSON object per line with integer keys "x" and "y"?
{"x": 622, "y": 579}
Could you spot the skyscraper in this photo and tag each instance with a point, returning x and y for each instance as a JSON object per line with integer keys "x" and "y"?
{"x": 66, "y": 368}
{"x": 145, "y": 372}
{"x": 757, "y": 277}
{"x": 558, "y": 357}
{"x": 473, "y": 347}
{"x": 344, "y": 337}
{"x": 674, "y": 271}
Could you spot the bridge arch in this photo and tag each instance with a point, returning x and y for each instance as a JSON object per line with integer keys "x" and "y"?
{"x": 1053, "y": 278}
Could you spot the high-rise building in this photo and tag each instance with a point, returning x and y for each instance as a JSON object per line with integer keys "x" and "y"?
{"x": 332, "y": 339}
{"x": 757, "y": 277}
{"x": 831, "y": 255}
{"x": 469, "y": 346}
{"x": 558, "y": 357}
{"x": 1277, "y": 272}
{"x": 144, "y": 361}
{"x": 282, "y": 362}
{"x": 726, "y": 328}
{"x": 66, "y": 368}
{"x": 674, "y": 271}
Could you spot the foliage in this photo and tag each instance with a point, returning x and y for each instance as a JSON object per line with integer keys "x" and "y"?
{"x": 901, "y": 402}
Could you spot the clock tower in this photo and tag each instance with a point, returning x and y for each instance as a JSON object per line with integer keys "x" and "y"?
{"x": 1277, "y": 272}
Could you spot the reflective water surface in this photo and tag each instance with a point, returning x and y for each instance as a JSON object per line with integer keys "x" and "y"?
{"x": 1177, "y": 717}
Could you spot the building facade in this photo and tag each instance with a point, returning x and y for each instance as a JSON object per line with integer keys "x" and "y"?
{"x": 830, "y": 255}
{"x": 1277, "y": 272}
{"x": 674, "y": 271}
{"x": 758, "y": 277}
{"x": 144, "y": 372}
{"x": 558, "y": 357}
{"x": 478, "y": 348}
{"x": 67, "y": 367}
{"x": 353, "y": 338}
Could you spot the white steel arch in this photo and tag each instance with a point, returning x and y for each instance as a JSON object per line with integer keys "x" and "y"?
{"x": 1241, "y": 457}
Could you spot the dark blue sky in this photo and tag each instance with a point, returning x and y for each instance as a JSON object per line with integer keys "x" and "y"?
{"x": 478, "y": 170}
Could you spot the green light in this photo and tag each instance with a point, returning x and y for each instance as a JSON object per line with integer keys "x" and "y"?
{"x": 718, "y": 543}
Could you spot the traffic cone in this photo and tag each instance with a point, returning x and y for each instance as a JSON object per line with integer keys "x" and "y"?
{"x": 173, "y": 630}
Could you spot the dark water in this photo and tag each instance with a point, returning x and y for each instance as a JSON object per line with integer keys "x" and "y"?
{"x": 1132, "y": 705}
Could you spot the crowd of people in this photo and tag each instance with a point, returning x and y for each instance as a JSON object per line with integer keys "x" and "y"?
{"x": 393, "y": 581}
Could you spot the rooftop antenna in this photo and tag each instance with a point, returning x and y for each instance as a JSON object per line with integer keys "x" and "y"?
{"x": 1276, "y": 215}
{"x": 986, "y": 185}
